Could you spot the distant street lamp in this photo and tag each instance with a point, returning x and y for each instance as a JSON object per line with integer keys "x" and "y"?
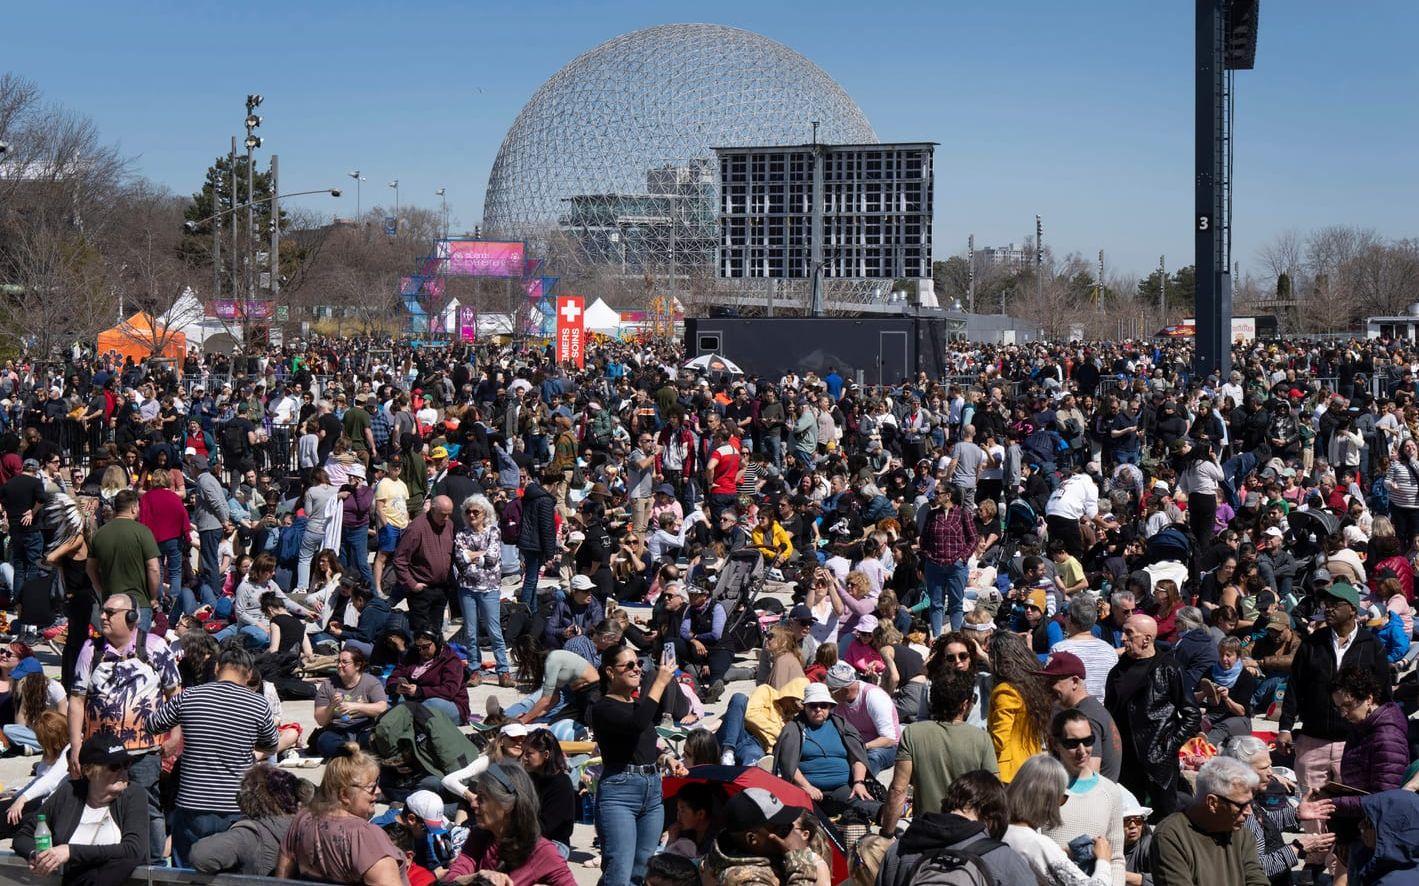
{"x": 395, "y": 185}
{"x": 191, "y": 226}
{"x": 443, "y": 200}
{"x": 358, "y": 178}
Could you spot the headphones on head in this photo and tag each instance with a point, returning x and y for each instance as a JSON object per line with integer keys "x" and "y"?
{"x": 131, "y": 615}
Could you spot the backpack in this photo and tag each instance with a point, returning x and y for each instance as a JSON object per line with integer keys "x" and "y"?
{"x": 510, "y": 521}
{"x": 234, "y": 442}
{"x": 955, "y": 867}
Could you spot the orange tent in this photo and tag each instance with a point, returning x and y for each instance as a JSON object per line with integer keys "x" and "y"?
{"x": 136, "y": 337}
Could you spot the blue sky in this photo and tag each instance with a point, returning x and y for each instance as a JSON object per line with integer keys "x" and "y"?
{"x": 1079, "y": 111}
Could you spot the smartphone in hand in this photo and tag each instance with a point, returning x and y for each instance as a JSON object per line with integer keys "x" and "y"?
{"x": 667, "y": 656}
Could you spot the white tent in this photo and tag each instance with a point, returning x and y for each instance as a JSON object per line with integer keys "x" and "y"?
{"x": 189, "y": 316}
{"x": 600, "y": 317}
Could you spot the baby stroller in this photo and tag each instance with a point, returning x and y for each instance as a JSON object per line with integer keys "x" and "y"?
{"x": 741, "y": 580}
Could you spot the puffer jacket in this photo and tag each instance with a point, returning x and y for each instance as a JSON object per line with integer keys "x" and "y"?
{"x": 538, "y": 533}
{"x": 798, "y": 868}
{"x": 1376, "y": 755}
{"x": 1161, "y": 717}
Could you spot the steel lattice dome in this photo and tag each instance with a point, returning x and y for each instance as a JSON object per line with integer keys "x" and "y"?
{"x": 611, "y": 158}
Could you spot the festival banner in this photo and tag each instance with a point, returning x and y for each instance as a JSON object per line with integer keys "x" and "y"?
{"x": 571, "y": 338}
{"x": 482, "y": 258}
{"x": 467, "y": 323}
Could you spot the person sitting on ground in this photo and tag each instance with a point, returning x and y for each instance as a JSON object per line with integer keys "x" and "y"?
{"x": 347, "y": 704}
{"x": 269, "y": 799}
{"x": 507, "y": 745}
{"x": 546, "y": 764}
{"x": 1205, "y": 844}
{"x": 506, "y": 848}
{"x": 822, "y": 753}
{"x": 51, "y": 732}
{"x": 431, "y": 673}
{"x": 752, "y": 723}
{"x": 98, "y": 822}
{"x": 759, "y": 844}
{"x": 1225, "y": 695}
{"x": 332, "y": 840}
{"x": 373, "y": 614}
{"x": 1036, "y": 795}
{"x": 692, "y": 832}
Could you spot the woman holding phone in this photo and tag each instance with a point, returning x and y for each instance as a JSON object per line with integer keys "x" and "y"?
{"x": 630, "y": 812}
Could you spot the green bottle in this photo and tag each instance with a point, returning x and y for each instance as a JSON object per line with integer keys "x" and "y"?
{"x": 42, "y": 838}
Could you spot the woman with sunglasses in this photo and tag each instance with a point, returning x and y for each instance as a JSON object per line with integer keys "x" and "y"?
{"x": 477, "y": 562}
{"x": 506, "y": 848}
{"x": 432, "y": 673}
{"x": 332, "y": 840}
{"x": 1037, "y": 794}
{"x": 1095, "y": 803}
{"x": 630, "y": 813}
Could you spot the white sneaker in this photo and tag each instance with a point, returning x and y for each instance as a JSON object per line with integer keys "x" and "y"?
{"x": 726, "y": 758}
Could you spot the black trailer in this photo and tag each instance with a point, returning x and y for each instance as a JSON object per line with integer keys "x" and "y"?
{"x": 884, "y": 349}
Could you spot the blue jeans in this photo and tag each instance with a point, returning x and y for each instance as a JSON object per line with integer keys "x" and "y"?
{"x": 170, "y": 558}
{"x": 630, "y": 813}
{"x": 946, "y": 588}
{"x": 355, "y": 552}
{"x": 483, "y": 606}
{"x": 558, "y": 715}
{"x": 254, "y": 636}
{"x": 144, "y": 772}
{"x": 443, "y": 706}
{"x": 532, "y": 564}
{"x": 22, "y": 735}
{"x": 1261, "y": 699}
{"x": 773, "y": 446}
{"x": 881, "y": 758}
{"x": 26, "y": 547}
{"x": 191, "y": 825}
{"x": 311, "y": 543}
{"x": 209, "y": 542}
{"x": 733, "y": 736}
{"x": 189, "y": 602}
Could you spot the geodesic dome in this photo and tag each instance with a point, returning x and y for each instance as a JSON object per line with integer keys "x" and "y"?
{"x": 610, "y": 162}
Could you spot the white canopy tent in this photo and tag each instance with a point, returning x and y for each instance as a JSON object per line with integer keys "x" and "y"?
{"x": 601, "y": 317}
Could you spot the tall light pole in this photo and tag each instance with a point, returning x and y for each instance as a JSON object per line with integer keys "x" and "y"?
{"x": 1162, "y": 289}
{"x": 253, "y": 141}
{"x": 443, "y": 200}
{"x": 1039, "y": 261}
{"x": 236, "y": 200}
{"x": 358, "y": 178}
{"x": 971, "y": 273}
{"x": 395, "y": 185}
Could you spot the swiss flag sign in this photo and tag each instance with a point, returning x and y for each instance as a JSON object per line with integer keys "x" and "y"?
{"x": 571, "y": 334}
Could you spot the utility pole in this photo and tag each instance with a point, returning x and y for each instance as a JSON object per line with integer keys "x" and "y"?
{"x": 236, "y": 201}
{"x": 1101, "y": 277}
{"x": 443, "y": 200}
{"x": 971, "y": 273}
{"x": 1162, "y": 289}
{"x": 217, "y": 236}
{"x": 253, "y": 141}
{"x": 1039, "y": 261}
{"x": 274, "y": 263}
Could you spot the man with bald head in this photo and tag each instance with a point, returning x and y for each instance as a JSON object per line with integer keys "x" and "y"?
{"x": 1144, "y": 694}
{"x": 424, "y": 563}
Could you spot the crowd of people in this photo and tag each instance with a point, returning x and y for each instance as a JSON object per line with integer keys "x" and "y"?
{"x": 1032, "y": 619}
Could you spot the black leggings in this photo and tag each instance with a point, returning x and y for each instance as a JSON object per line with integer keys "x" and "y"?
{"x": 1202, "y": 516}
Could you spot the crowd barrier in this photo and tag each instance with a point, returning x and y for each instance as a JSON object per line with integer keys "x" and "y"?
{"x": 13, "y": 869}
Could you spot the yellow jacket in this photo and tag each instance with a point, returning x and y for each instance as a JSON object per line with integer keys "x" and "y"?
{"x": 762, "y": 717}
{"x": 772, "y": 543}
{"x": 1011, "y": 730}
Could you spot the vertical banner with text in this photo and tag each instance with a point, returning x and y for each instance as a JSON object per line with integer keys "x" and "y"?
{"x": 571, "y": 341}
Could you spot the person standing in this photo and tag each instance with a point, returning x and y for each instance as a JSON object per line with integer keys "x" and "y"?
{"x": 537, "y": 535}
{"x": 1095, "y": 804}
{"x": 947, "y": 535}
{"x": 424, "y": 564}
{"x": 1065, "y": 673}
{"x": 640, "y": 479}
{"x": 964, "y": 466}
{"x": 1154, "y": 713}
{"x": 630, "y": 812}
{"x": 222, "y": 723}
{"x": 390, "y": 515}
{"x": 212, "y": 519}
{"x": 477, "y": 563}
{"x": 123, "y": 558}
{"x": 162, "y": 511}
{"x": 357, "y": 505}
{"x": 119, "y": 678}
{"x": 1075, "y": 500}
{"x": 935, "y": 752}
{"x": 22, "y": 496}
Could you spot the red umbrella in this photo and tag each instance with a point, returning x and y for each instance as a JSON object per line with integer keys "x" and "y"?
{"x": 738, "y": 778}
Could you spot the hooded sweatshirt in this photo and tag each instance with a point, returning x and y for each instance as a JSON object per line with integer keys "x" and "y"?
{"x": 935, "y": 831}
{"x": 1395, "y": 859}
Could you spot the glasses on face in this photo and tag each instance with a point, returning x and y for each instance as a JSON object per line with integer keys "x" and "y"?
{"x": 7, "y": 653}
{"x": 1238, "y": 805}
{"x": 957, "y": 656}
{"x": 629, "y": 666}
{"x": 818, "y": 706}
{"x": 113, "y": 613}
{"x": 370, "y": 789}
{"x": 1074, "y": 743}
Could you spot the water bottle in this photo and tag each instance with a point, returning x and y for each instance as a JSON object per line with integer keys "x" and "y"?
{"x": 43, "y": 840}
{"x": 588, "y": 808}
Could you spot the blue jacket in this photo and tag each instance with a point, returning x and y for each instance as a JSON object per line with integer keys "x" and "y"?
{"x": 1196, "y": 653}
{"x": 1393, "y": 638}
{"x": 564, "y": 615}
{"x": 372, "y": 620}
{"x": 1395, "y": 859}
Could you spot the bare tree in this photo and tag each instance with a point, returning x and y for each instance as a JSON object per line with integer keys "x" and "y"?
{"x": 58, "y": 295}
{"x": 1283, "y": 254}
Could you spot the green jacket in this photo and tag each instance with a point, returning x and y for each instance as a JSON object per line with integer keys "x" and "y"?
{"x": 412, "y": 732}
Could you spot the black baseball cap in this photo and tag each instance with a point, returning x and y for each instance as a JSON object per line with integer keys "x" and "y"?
{"x": 756, "y": 807}
{"x": 105, "y": 749}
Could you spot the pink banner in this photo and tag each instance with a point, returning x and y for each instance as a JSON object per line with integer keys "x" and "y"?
{"x": 231, "y": 309}
{"x": 482, "y": 258}
{"x": 467, "y": 323}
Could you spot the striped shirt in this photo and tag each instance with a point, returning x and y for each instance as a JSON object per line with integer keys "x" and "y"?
{"x": 221, "y": 724}
{"x": 1098, "y": 657}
